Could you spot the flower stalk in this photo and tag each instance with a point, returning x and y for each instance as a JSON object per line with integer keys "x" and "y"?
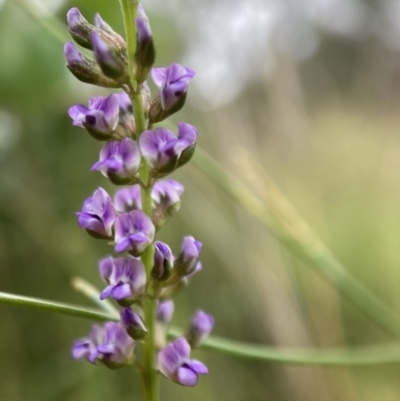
{"x": 149, "y": 373}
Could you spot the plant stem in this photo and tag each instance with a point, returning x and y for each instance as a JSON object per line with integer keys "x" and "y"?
{"x": 360, "y": 356}
{"x": 272, "y": 209}
{"x": 149, "y": 371}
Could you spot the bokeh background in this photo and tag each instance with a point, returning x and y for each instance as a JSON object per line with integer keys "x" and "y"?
{"x": 311, "y": 90}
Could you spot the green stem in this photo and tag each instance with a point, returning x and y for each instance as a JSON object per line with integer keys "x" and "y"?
{"x": 371, "y": 355}
{"x": 149, "y": 371}
{"x": 56, "y": 307}
{"x": 129, "y": 13}
{"x": 273, "y": 210}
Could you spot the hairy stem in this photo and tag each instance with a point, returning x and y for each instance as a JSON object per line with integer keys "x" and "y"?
{"x": 149, "y": 371}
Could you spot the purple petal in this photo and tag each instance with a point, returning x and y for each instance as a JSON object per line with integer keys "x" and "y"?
{"x": 106, "y": 348}
{"x": 105, "y": 268}
{"x": 102, "y": 51}
{"x": 78, "y": 114}
{"x": 170, "y": 94}
{"x": 110, "y": 108}
{"x": 100, "y": 23}
{"x": 80, "y": 349}
{"x": 107, "y": 292}
{"x": 74, "y": 18}
{"x": 128, "y": 199}
{"x": 187, "y": 376}
{"x": 187, "y": 133}
{"x": 91, "y": 223}
{"x": 122, "y": 246}
{"x": 165, "y": 311}
{"x": 72, "y": 54}
{"x": 198, "y": 367}
{"x": 143, "y": 31}
{"x": 121, "y": 292}
{"x": 159, "y": 75}
{"x": 182, "y": 347}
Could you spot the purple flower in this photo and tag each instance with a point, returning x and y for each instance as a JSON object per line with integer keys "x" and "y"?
{"x": 200, "y": 328}
{"x": 174, "y": 363}
{"x": 189, "y": 255}
{"x": 163, "y": 261}
{"x": 165, "y": 311}
{"x": 109, "y": 345}
{"x": 128, "y": 199}
{"x": 133, "y": 323}
{"x": 134, "y": 231}
{"x": 119, "y": 161}
{"x": 173, "y": 81}
{"x": 167, "y": 192}
{"x": 164, "y": 152}
{"x": 166, "y": 200}
{"x": 126, "y": 279}
{"x": 98, "y": 215}
{"x": 125, "y": 104}
{"x": 100, "y": 119}
{"x": 110, "y": 62}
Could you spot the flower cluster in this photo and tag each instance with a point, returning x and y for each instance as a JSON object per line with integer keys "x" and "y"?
{"x": 138, "y": 157}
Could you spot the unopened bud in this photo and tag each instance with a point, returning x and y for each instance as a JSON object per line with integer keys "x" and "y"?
{"x": 145, "y": 55}
{"x": 86, "y": 70}
{"x": 133, "y": 324}
{"x": 110, "y": 60}
{"x": 200, "y": 328}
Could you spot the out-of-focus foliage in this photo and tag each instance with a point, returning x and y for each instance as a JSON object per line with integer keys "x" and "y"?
{"x": 310, "y": 88}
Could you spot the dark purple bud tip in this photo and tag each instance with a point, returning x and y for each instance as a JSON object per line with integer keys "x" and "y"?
{"x": 111, "y": 63}
{"x": 200, "y": 328}
{"x": 133, "y": 323}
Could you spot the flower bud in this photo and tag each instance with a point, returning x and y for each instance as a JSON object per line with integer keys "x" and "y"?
{"x": 110, "y": 60}
{"x": 166, "y": 201}
{"x": 86, "y": 70}
{"x": 187, "y": 261}
{"x": 133, "y": 324}
{"x": 145, "y": 55}
{"x": 81, "y": 31}
{"x": 163, "y": 261}
{"x": 79, "y": 28}
{"x": 165, "y": 311}
{"x": 200, "y": 328}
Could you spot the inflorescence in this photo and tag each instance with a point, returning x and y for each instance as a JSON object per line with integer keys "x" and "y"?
{"x": 122, "y": 220}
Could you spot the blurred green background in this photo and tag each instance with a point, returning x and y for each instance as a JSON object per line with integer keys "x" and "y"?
{"x": 311, "y": 89}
